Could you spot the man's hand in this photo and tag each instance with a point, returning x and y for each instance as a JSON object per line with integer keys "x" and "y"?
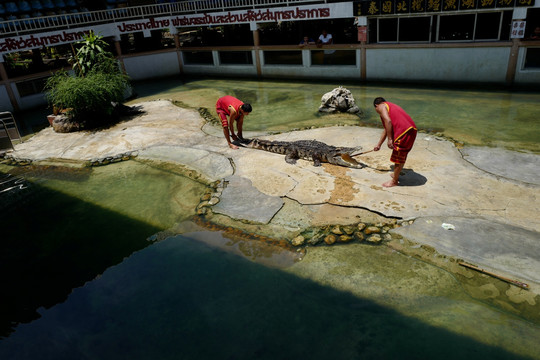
{"x": 232, "y": 146}
{"x": 376, "y": 148}
{"x": 390, "y": 144}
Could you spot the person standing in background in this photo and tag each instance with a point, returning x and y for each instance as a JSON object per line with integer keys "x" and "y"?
{"x": 326, "y": 39}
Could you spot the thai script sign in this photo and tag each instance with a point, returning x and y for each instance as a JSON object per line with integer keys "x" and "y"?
{"x": 39, "y": 40}
{"x": 311, "y": 12}
{"x": 308, "y": 12}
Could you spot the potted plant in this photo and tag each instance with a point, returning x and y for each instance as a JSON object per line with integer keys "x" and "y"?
{"x": 88, "y": 96}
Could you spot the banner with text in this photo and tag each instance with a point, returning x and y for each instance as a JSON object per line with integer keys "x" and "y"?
{"x": 297, "y": 13}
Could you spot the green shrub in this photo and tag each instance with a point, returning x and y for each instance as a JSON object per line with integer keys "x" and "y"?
{"x": 89, "y": 96}
{"x": 86, "y": 97}
{"x": 92, "y": 55}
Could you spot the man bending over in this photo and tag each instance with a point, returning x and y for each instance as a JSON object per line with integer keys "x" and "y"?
{"x": 236, "y": 110}
{"x": 400, "y": 130}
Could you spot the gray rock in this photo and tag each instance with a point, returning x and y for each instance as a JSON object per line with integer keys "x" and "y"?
{"x": 339, "y": 99}
{"x": 63, "y": 124}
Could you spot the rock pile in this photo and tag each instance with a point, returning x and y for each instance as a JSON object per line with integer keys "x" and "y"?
{"x": 63, "y": 124}
{"x": 339, "y": 99}
{"x": 113, "y": 159}
{"x": 210, "y": 198}
{"x": 335, "y": 234}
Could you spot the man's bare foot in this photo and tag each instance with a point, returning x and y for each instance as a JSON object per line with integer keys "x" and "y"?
{"x": 232, "y": 146}
{"x": 390, "y": 183}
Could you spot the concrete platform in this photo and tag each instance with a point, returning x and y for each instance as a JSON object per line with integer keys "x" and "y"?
{"x": 490, "y": 195}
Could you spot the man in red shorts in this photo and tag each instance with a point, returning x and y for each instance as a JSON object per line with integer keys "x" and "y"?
{"x": 236, "y": 110}
{"x": 400, "y": 130}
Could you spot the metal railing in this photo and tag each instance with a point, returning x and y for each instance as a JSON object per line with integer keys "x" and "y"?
{"x": 8, "y": 131}
{"x": 71, "y": 20}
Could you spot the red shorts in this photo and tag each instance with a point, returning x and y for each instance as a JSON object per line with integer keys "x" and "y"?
{"x": 402, "y": 146}
{"x": 223, "y": 118}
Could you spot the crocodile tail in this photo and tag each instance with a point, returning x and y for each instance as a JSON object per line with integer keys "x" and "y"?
{"x": 253, "y": 143}
{"x": 265, "y": 145}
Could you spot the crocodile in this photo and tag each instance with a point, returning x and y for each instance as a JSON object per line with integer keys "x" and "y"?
{"x": 314, "y": 150}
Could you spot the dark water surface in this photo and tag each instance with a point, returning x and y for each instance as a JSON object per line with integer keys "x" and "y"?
{"x": 180, "y": 299}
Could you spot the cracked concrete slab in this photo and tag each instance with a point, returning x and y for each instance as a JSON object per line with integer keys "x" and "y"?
{"x": 240, "y": 200}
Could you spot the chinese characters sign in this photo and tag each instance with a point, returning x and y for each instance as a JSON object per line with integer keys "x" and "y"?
{"x": 388, "y": 7}
{"x": 518, "y": 29}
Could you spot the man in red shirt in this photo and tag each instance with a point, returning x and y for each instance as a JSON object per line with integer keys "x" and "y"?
{"x": 236, "y": 110}
{"x": 400, "y": 130}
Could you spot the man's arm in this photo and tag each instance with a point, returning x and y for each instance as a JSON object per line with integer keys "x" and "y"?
{"x": 387, "y": 123}
{"x": 232, "y": 118}
{"x": 226, "y": 133}
{"x": 381, "y": 140}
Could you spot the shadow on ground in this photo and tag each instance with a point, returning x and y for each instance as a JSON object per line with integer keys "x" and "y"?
{"x": 412, "y": 178}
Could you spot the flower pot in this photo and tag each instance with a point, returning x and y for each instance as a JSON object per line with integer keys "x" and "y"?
{"x": 51, "y": 118}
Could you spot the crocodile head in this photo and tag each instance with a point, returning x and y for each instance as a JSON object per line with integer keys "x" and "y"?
{"x": 344, "y": 159}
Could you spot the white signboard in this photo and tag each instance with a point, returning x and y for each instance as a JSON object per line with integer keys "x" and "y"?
{"x": 518, "y": 29}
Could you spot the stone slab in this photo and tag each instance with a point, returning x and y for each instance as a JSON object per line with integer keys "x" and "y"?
{"x": 240, "y": 200}
{"x": 513, "y": 165}
{"x": 211, "y": 165}
{"x": 501, "y": 248}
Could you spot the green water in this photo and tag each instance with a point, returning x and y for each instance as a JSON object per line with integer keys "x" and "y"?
{"x": 62, "y": 227}
{"x": 475, "y": 117}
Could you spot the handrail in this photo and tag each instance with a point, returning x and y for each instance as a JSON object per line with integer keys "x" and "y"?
{"x": 11, "y": 127}
{"x": 43, "y": 23}
{"x": 7, "y": 135}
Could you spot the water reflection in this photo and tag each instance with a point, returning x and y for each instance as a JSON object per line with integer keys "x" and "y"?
{"x": 257, "y": 248}
{"x": 491, "y": 118}
{"x": 62, "y": 227}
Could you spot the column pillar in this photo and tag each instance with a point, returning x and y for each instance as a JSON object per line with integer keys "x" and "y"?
{"x": 118, "y": 49}
{"x": 512, "y": 62}
{"x": 256, "y": 42}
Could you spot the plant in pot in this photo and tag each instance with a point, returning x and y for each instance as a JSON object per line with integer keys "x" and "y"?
{"x": 87, "y": 97}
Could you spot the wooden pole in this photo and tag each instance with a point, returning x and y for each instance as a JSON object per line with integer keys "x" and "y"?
{"x": 514, "y": 282}
{"x": 362, "y": 153}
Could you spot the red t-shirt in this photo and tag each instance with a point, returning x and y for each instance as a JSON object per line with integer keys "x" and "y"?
{"x": 401, "y": 121}
{"x": 224, "y": 102}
